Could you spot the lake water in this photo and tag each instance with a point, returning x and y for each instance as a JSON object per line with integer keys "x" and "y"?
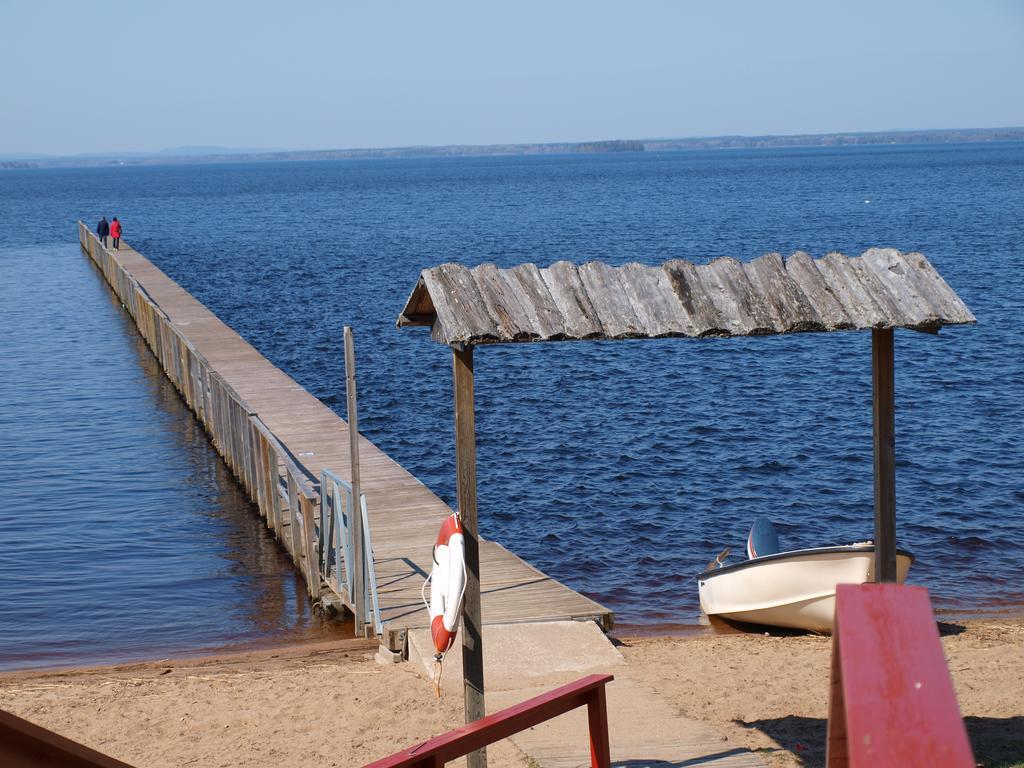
{"x": 125, "y": 536}
{"x": 620, "y": 468}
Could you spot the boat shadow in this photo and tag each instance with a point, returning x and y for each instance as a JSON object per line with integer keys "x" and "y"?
{"x": 995, "y": 740}
{"x": 723, "y": 626}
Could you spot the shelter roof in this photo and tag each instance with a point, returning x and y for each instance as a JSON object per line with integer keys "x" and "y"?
{"x": 882, "y": 288}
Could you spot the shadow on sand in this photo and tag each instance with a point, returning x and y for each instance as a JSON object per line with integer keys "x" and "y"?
{"x": 703, "y": 760}
{"x": 996, "y": 741}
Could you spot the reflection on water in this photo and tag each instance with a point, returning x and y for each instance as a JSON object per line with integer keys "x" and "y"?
{"x": 125, "y": 534}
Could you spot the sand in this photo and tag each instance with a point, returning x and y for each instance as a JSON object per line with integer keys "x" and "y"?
{"x": 331, "y": 704}
{"x": 771, "y": 693}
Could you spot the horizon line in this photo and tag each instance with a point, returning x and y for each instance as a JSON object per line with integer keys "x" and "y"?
{"x": 738, "y": 140}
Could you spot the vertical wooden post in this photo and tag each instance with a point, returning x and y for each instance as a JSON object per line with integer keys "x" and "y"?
{"x": 465, "y": 482}
{"x": 309, "y": 545}
{"x": 355, "y": 519}
{"x": 884, "y": 417}
{"x": 597, "y": 718}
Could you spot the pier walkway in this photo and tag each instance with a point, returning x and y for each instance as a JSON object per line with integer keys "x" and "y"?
{"x": 278, "y": 439}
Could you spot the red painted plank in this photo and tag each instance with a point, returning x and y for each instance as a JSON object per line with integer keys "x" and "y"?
{"x": 487, "y": 730}
{"x": 897, "y": 695}
{"x": 27, "y": 745}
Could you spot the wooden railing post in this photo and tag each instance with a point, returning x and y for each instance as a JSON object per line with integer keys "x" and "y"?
{"x": 278, "y": 499}
{"x": 293, "y": 518}
{"x": 597, "y": 719}
{"x": 312, "y": 561}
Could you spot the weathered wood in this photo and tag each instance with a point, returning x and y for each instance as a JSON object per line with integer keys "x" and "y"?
{"x": 883, "y": 417}
{"x": 537, "y": 300}
{"x": 654, "y": 301}
{"x": 359, "y": 575}
{"x": 880, "y": 289}
{"x": 736, "y": 299}
{"x": 419, "y": 307}
{"x": 893, "y": 272}
{"x": 826, "y": 304}
{"x": 278, "y": 495}
{"x": 579, "y": 318}
{"x": 892, "y": 309}
{"x": 267, "y": 484}
{"x": 292, "y": 542}
{"x": 945, "y": 302}
{"x": 790, "y": 308}
{"x": 701, "y": 313}
{"x": 502, "y": 303}
{"x": 609, "y": 300}
{"x": 465, "y": 484}
{"x": 847, "y": 287}
{"x": 312, "y": 573}
{"x": 458, "y": 303}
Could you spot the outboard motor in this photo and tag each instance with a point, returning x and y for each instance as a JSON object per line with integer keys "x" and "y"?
{"x": 763, "y": 540}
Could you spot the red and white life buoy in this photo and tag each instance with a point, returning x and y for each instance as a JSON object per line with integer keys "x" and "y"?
{"x": 447, "y": 584}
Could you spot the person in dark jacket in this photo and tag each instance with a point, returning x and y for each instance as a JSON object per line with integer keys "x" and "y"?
{"x": 102, "y": 230}
{"x": 115, "y": 232}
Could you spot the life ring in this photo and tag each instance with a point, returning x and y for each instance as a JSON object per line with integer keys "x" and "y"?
{"x": 447, "y": 584}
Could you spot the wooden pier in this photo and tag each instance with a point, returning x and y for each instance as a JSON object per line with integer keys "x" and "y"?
{"x": 277, "y": 438}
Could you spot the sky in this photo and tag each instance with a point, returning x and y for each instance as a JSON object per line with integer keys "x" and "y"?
{"x": 110, "y": 75}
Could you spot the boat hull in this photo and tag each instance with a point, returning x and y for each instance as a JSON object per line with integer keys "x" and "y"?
{"x": 790, "y": 589}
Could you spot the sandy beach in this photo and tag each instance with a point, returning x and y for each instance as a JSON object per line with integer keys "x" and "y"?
{"x": 331, "y": 704}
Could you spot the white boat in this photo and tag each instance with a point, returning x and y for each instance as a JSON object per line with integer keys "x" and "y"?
{"x": 794, "y": 589}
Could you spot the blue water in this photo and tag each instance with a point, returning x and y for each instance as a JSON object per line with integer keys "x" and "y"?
{"x": 622, "y": 468}
{"x": 124, "y": 535}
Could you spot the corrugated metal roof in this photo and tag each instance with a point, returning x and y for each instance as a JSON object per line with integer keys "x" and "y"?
{"x": 882, "y": 288}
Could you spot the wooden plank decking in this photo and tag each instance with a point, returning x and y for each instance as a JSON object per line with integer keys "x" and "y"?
{"x": 404, "y": 514}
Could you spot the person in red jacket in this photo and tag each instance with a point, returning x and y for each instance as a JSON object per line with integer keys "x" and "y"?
{"x": 115, "y": 232}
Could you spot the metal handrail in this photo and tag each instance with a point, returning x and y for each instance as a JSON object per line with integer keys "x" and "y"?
{"x": 334, "y": 538}
{"x": 371, "y": 570}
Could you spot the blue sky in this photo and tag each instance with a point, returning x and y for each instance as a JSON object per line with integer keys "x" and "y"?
{"x": 127, "y": 76}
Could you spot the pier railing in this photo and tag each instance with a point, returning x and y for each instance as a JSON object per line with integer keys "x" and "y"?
{"x": 283, "y": 492}
{"x": 336, "y": 553}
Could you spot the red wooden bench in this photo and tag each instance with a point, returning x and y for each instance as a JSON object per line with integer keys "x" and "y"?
{"x": 478, "y": 734}
{"x": 27, "y": 745}
{"x": 891, "y": 702}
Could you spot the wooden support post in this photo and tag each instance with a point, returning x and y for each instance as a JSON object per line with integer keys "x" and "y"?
{"x": 465, "y": 482}
{"x": 275, "y": 475}
{"x": 309, "y": 545}
{"x": 358, "y": 595}
{"x": 884, "y": 411}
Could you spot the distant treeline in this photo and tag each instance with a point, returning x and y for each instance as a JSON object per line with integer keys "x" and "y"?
{"x": 839, "y": 139}
{"x": 615, "y": 145}
{"x": 611, "y": 146}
